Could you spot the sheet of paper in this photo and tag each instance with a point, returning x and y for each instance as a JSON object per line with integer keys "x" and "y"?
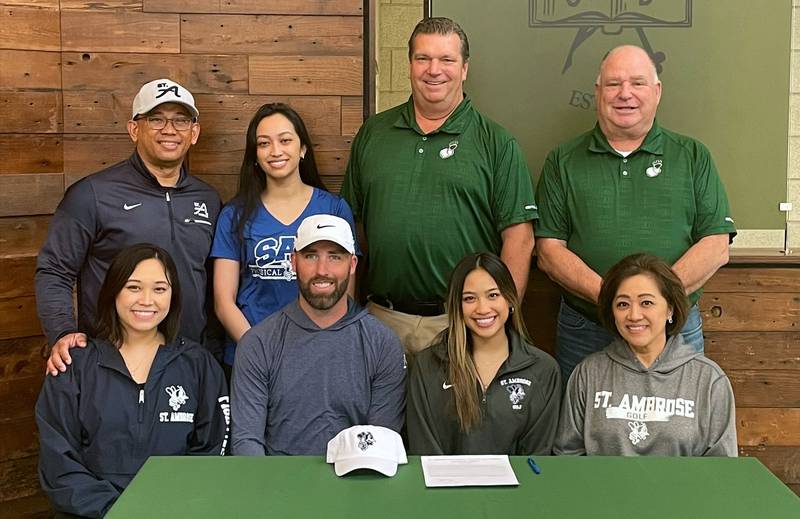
{"x": 467, "y": 471}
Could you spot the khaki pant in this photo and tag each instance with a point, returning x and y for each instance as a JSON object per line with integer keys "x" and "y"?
{"x": 414, "y": 331}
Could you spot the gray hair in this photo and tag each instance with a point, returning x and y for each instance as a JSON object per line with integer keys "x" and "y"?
{"x": 612, "y": 51}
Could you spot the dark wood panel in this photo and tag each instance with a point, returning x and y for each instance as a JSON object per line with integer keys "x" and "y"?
{"x": 352, "y": 114}
{"x": 294, "y": 7}
{"x": 182, "y": 6}
{"x": 17, "y": 276}
{"x": 232, "y": 113}
{"x": 30, "y": 112}
{"x": 225, "y": 185}
{"x": 30, "y": 27}
{"x": 95, "y": 5}
{"x": 217, "y": 154}
{"x": 18, "y": 319}
{"x": 30, "y": 69}
{"x": 19, "y": 437}
{"x": 81, "y": 157}
{"x": 758, "y": 258}
{"x": 353, "y": 7}
{"x": 120, "y": 31}
{"x": 755, "y": 280}
{"x": 19, "y": 478}
{"x": 22, "y": 358}
{"x": 87, "y": 111}
{"x": 21, "y": 154}
{"x": 35, "y": 506}
{"x": 768, "y": 388}
{"x": 784, "y": 462}
{"x": 540, "y": 310}
{"x": 306, "y": 75}
{"x": 30, "y": 194}
{"x": 19, "y": 396}
{"x": 754, "y": 350}
{"x": 21, "y": 237}
{"x": 126, "y": 73}
{"x": 274, "y": 35}
{"x": 332, "y": 162}
{"x": 750, "y": 312}
{"x": 334, "y": 184}
{"x": 768, "y": 426}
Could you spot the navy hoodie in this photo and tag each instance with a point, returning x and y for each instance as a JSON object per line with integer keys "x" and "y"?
{"x": 97, "y": 426}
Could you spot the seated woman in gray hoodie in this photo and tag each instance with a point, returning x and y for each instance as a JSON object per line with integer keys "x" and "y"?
{"x": 648, "y": 392}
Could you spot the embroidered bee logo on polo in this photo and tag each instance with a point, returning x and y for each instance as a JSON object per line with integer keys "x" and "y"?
{"x": 365, "y": 439}
{"x": 638, "y": 432}
{"x": 177, "y": 396}
{"x": 654, "y": 170}
{"x": 449, "y": 151}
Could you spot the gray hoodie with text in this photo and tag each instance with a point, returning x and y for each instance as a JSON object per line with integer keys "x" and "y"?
{"x": 681, "y": 406}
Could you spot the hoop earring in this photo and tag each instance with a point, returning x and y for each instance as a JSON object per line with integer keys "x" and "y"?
{"x": 669, "y": 319}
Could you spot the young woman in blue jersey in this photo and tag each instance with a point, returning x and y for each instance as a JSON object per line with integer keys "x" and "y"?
{"x": 138, "y": 389}
{"x": 279, "y": 187}
{"x": 482, "y": 388}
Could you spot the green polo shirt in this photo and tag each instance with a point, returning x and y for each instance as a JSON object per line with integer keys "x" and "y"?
{"x": 428, "y": 200}
{"x": 662, "y": 198}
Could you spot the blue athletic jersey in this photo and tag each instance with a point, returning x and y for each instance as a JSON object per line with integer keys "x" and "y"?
{"x": 266, "y": 280}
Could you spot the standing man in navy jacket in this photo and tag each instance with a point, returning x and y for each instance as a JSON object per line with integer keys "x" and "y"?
{"x": 150, "y": 197}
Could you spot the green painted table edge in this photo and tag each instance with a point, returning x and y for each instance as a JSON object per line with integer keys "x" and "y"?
{"x": 569, "y": 487}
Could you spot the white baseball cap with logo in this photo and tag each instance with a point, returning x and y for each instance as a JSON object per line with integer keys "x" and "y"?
{"x": 161, "y": 91}
{"x": 321, "y": 227}
{"x": 367, "y": 447}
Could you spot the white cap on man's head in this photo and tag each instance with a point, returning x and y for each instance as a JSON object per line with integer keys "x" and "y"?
{"x": 161, "y": 91}
{"x": 327, "y": 227}
{"x": 366, "y": 447}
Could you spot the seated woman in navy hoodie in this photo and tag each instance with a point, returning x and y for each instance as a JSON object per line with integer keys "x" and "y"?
{"x": 138, "y": 389}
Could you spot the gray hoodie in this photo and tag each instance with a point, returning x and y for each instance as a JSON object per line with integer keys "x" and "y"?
{"x": 681, "y": 406}
{"x": 296, "y": 385}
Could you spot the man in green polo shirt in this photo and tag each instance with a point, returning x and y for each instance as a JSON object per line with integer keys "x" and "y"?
{"x": 627, "y": 186}
{"x": 432, "y": 180}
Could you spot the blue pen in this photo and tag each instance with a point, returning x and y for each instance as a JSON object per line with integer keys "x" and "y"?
{"x": 534, "y": 467}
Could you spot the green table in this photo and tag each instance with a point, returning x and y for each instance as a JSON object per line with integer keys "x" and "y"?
{"x": 568, "y": 487}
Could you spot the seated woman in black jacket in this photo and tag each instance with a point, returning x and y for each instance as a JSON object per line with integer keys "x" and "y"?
{"x": 138, "y": 389}
{"x": 482, "y": 388}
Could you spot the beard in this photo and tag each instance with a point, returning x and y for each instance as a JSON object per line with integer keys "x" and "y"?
{"x": 320, "y": 301}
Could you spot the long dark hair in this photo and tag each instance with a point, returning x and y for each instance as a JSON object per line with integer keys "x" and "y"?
{"x": 108, "y": 325}
{"x": 253, "y": 180}
{"x": 667, "y": 281}
{"x": 461, "y": 370}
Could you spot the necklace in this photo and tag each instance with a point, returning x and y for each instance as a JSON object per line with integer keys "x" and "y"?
{"x": 145, "y": 359}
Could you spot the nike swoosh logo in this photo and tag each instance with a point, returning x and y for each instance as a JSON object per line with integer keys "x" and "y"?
{"x": 445, "y": 385}
{"x": 324, "y": 226}
{"x": 129, "y": 207}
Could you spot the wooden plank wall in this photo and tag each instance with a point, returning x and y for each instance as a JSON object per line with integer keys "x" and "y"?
{"x": 752, "y": 330}
{"x": 68, "y": 72}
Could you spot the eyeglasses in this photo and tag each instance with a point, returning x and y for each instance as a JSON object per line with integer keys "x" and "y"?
{"x": 157, "y": 122}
